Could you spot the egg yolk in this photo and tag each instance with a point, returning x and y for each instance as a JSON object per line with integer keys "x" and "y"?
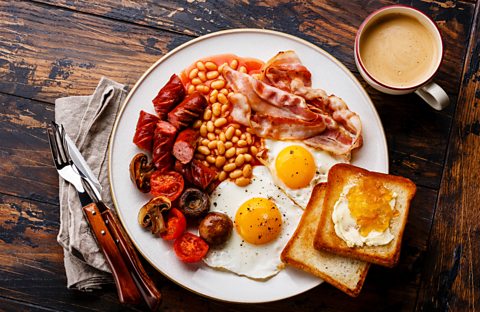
{"x": 369, "y": 204}
{"x": 295, "y": 166}
{"x": 258, "y": 221}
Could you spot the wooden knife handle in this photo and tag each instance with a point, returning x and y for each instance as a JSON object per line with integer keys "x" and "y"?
{"x": 126, "y": 287}
{"x": 145, "y": 284}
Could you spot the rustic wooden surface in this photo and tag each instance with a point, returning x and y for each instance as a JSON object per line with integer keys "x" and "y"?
{"x": 50, "y": 49}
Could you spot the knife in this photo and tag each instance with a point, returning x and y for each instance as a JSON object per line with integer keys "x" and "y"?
{"x": 128, "y": 272}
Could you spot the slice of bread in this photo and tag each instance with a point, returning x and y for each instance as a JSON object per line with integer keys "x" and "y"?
{"x": 326, "y": 239}
{"x": 346, "y": 274}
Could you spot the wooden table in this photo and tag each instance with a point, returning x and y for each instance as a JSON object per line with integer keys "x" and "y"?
{"x": 51, "y": 49}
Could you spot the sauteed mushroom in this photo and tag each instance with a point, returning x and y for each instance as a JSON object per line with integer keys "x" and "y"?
{"x": 150, "y": 215}
{"x": 194, "y": 203}
{"x": 140, "y": 172}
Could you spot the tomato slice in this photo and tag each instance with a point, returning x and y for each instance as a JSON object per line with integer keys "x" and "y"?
{"x": 168, "y": 184}
{"x": 190, "y": 248}
{"x": 176, "y": 224}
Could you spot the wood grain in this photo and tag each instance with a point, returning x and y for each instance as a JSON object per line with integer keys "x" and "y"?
{"x": 452, "y": 271}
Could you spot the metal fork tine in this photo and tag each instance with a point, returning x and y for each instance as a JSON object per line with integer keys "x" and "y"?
{"x": 64, "y": 144}
{"x": 59, "y": 143}
{"x": 53, "y": 146}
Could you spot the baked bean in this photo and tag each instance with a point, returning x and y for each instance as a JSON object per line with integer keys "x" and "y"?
{"x": 217, "y": 84}
{"x": 222, "y": 137}
{"x": 242, "y": 150}
{"x": 239, "y": 160}
{"x": 236, "y": 174}
{"x": 248, "y": 157}
{"x": 217, "y": 131}
{"x": 196, "y": 81}
{"x": 202, "y": 76}
{"x": 210, "y": 159}
{"x": 220, "y": 147}
{"x": 254, "y": 150}
{"x": 229, "y": 133}
{"x": 212, "y": 145}
{"x": 238, "y": 132}
{"x": 236, "y": 126}
{"x": 207, "y": 114}
{"x": 229, "y": 94}
{"x": 211, "y": 65}
{"x": 228, "y": 144}
{"x": 211, "y": 136}
{"x": 220, "y": 69}
{"x": 214, "y": 92}
{"x": 222, "y": 98}
{"x": 243, "y": 137}
{"x": 243, "y": 69}
{"x": 230, "y": 152}
{"x": 224, "y": 91}
{"x": 247, "y": 171}
{"x": 205, "y": 142}
{"x": 229, "y": 167}
{"x": 200, "y": 65}
{"x": 203, "y": 130}
{"x": 249, "y": 138}
{"x": 250, "y": 130}
{"x": 242, "y": 143}
{"x": 234, "y": 64}
{"x": 220, "y": 161}
{"x": 212, "y": 74}
{"x": 203, "y": 150}
{"x": 210, "y": 126}
{"x": 205, "y": 90}
{"x": 242, "y": 181}
{"x": 217, "y": 109}
{"x": 225, "y": 108}
{"x": 193, "y": 73}
{"x": 197, "y": 124}
{"x": 222, "y": 176}
{"x": 220, "y": 122}
{"x": 235, "y": 139}
{"x": 191, "y": 89}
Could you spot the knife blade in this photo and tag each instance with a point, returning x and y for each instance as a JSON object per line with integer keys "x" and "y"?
{"x": 81, "y": 164}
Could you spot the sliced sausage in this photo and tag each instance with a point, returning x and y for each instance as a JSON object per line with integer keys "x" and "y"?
{"x": 163, "y": 140}
{"x": 169, "y": 96}
{"x": 189, "y": 110}
{"x": 185, "y": 145}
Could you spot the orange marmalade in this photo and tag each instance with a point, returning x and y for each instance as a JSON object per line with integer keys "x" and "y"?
{"x": 369, "y": 205}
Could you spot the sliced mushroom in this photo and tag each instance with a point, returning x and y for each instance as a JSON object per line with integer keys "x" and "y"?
{"x": 150, "y": 215}
{"x": 140, "y": 172}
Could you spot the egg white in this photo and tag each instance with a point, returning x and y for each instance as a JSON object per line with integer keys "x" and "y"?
{"x": 238, "y": 256}
{"x": 323, "y": 162}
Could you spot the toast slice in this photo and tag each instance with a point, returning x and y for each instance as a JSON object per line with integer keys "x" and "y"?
{"x": 343, "y": 273}
{"x": 326, "y": 238}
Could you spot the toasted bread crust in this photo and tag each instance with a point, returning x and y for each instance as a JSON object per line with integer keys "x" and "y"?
{"x": 291, "y": 255}
{"x": 326, "y": 238}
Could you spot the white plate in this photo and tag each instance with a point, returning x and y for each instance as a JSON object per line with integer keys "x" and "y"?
{"x": 327, "y": 73}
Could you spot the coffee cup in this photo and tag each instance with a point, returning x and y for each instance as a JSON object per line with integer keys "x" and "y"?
{"x": 398, "y": 50}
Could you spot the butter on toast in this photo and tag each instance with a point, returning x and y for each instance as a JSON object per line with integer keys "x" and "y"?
{"x": 343, "y": 273}
{"x": 327, "y": 239}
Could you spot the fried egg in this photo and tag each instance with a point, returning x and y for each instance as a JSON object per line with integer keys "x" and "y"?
{"x": 296, "y": 168}
{"x": 264, "y": 220}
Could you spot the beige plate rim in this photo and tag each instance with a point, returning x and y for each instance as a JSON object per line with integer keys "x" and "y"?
{"x": 183, "y": 46}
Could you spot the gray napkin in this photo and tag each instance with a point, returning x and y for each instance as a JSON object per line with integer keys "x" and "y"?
{"x": 88, "y": 120}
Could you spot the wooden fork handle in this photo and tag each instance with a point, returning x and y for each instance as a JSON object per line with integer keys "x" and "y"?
{"x": 126, "y": 287}
{"x": 145, "y": 284}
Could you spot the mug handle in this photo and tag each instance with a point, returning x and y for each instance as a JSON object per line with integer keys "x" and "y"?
{"x": 434, "y": 95}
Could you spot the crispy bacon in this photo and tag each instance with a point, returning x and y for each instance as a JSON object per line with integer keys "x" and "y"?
{"x": 284, "y": 106}
{"x": 284, "y": 69}
{"x": 144, "y": 131}
{"x": 163, "y": 140}
{"x": 169, "y": 96}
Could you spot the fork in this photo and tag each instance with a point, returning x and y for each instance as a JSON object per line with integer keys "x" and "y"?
{"x": 126, "y": 286}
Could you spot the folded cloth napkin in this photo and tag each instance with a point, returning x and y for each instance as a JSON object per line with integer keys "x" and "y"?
{"x": 88, "y": 120}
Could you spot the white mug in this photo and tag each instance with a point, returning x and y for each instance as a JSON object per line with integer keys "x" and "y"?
{"x": 429, "y": 91}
